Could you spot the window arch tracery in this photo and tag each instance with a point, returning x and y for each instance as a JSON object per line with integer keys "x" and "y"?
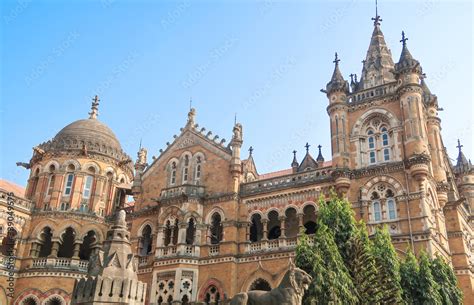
{"x": 383, "y": 203}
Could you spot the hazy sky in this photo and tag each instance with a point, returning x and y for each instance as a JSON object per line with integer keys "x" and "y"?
{"x": 264, "y": 60}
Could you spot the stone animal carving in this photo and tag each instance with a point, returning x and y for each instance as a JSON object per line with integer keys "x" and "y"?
{"x": 289, "y": 292}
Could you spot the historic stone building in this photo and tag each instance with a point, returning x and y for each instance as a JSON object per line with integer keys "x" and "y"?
{"x": 206, "y": 225}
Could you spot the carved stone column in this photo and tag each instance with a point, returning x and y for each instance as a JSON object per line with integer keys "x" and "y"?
{"x": 300, "y": 223}
{"x": 282, "y": 226}
{"x": 54, "y": 249}
{"x": 265, "y": 229}
{"x": 77, "y": 247}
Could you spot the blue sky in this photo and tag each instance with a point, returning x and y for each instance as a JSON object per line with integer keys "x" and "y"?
{"x": 264, "y": 60}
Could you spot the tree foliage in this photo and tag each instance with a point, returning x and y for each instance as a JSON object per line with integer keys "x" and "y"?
{"x": 332, "y": 283}
{"x": 388, "y": 267}
{"x": 363, "y": 267}
{"x": 348, "y": 267}
{"x": 448, "y": 287}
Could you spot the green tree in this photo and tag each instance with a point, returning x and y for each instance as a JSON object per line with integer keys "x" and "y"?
{"x": 448, "y": 288}
{"x": 428, "y": 292}
{"x": 338, "y": 216}
{"x": 409, "y": 279}
{"x": 332, "y": 283}
{"x": 363, "y": 267}
{"x": 388, "y": 267}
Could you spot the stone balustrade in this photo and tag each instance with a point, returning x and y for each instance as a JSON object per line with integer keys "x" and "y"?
{"x": 273, "y": 245}
{"x": 382, "y": 90}
{"x": 60, "y": 263}
{"x": 289, "y": 181}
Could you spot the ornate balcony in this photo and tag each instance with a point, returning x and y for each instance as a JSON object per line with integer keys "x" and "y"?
{"x": 288, "y": 181}
{"x": 60, "y": 263}
{"x": 272, "y": 245}
{"x": 175, "y": 251}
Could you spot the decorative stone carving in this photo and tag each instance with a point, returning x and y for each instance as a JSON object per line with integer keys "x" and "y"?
{"x": 112, "y": 275}
{"x": 290, "y": 291}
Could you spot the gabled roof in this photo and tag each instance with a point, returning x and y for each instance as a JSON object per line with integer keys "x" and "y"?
{"x": 9, "y": 186}
{"x": 191, "y": 136}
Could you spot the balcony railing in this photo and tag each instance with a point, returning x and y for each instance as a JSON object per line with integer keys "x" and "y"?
{"x": 302, "y": 178}
{"x": 60, "y": 263}
{"x": 273, "y": 245}
{"x": 186, "y": 189}
{"x": 214, "y": 250}
{"x": 181, "y": 250}
{"x": 382, "y": 90}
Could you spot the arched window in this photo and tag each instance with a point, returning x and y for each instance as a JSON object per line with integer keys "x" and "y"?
{"x": 274, "y": 228}
{"x": 377, "y": 211}
{"x": 29, "y": 301}
{"x": 197, "y": 170}
{"x": 168, "y": 231}
{"x": 173, "y": 173}
{"x": 291, "y": 223}
{"x": 385, "y": 144}
{"x": 46, "y": 244}
{"x": 309, "y": 219}
{"x": 68, "y": 184}
{"x": 260, "y": 284}
{"x": 86, "y": 193}
{"x": 216, "y": 228}
{"x": 384, "y": 205}
{"x": 145, "y": 241}
{"x": 186, "y": 169}
{"x": 256, "y": 228}
{"x": 8, "y": 242}
{"x": 190, "y": 231}
{"x": 88, "y": 243}
{"x": 66, "y": 248}
{"x": 392, "y": 211}
{"x": 212, "y": 296}
{"x": 51, "y": 181}
{"x": 371, "y": 147}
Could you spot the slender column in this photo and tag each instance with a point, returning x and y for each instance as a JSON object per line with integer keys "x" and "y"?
{"x": 247, "y": 231}
{"x": 54, "y": 249}
{"x": 265, "y": 229}
{"x": 282, "y": 226}
{"x": 77, "y": 247}
{"x": 300, "y": 223}
{"x": 171, "y": 236}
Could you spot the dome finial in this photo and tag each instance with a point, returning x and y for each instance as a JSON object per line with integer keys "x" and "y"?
{"x": 404, "y": 39}
{"x": 459, "y": 146}
{"x": 94, "y": 108}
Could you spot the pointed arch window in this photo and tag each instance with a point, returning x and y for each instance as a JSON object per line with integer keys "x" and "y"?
{"x": 197, "y": 171}
{"x": 186, "y": 169}
{"x": 86, "y": 193}
{"x": 173, "y": 174}
{"x": 372, "y": 147}
{"x": 68, "y": 184}
{"x": 392, "y": 210}
{"x": 377, "y": 211}
{"x": 385, "y": 144}
{"x": 51, "y": 181}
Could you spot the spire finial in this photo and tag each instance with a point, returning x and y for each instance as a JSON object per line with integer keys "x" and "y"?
{"x": 459, "y": 146}
{"x": 190, "y": 103}
{"x": 94, "y": 108}
{"x": 235, "y": 118}
{"x": 294, "y": 153}
{"x": 404, "y": 39}
{"x": 250, "y": 151}
{"x": 336, "y": 59}
{"x": 377, "y": 18}
{"x": 307, "y": 147}
{"x": 352, "y": 77}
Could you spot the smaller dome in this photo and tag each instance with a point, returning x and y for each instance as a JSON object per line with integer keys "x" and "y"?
{"x": 89, "y": 130}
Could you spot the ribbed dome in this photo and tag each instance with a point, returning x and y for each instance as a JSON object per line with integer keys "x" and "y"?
{"x": 89, "y": 131}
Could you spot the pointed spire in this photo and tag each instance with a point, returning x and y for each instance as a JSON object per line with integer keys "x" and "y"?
{"x": 407, "y": 63}
{"x": 337, "y": 83}
{"x": 295, "y": 161}
{"x": 463, "y": 166}
{"x": 320, "y": 157}
{"x": 94, "y": 108}
{"x": 377, "y": 66}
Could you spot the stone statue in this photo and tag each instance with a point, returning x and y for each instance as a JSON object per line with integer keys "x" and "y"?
{"x": 142, "y": 156}
{"x": 289, "y": 292}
